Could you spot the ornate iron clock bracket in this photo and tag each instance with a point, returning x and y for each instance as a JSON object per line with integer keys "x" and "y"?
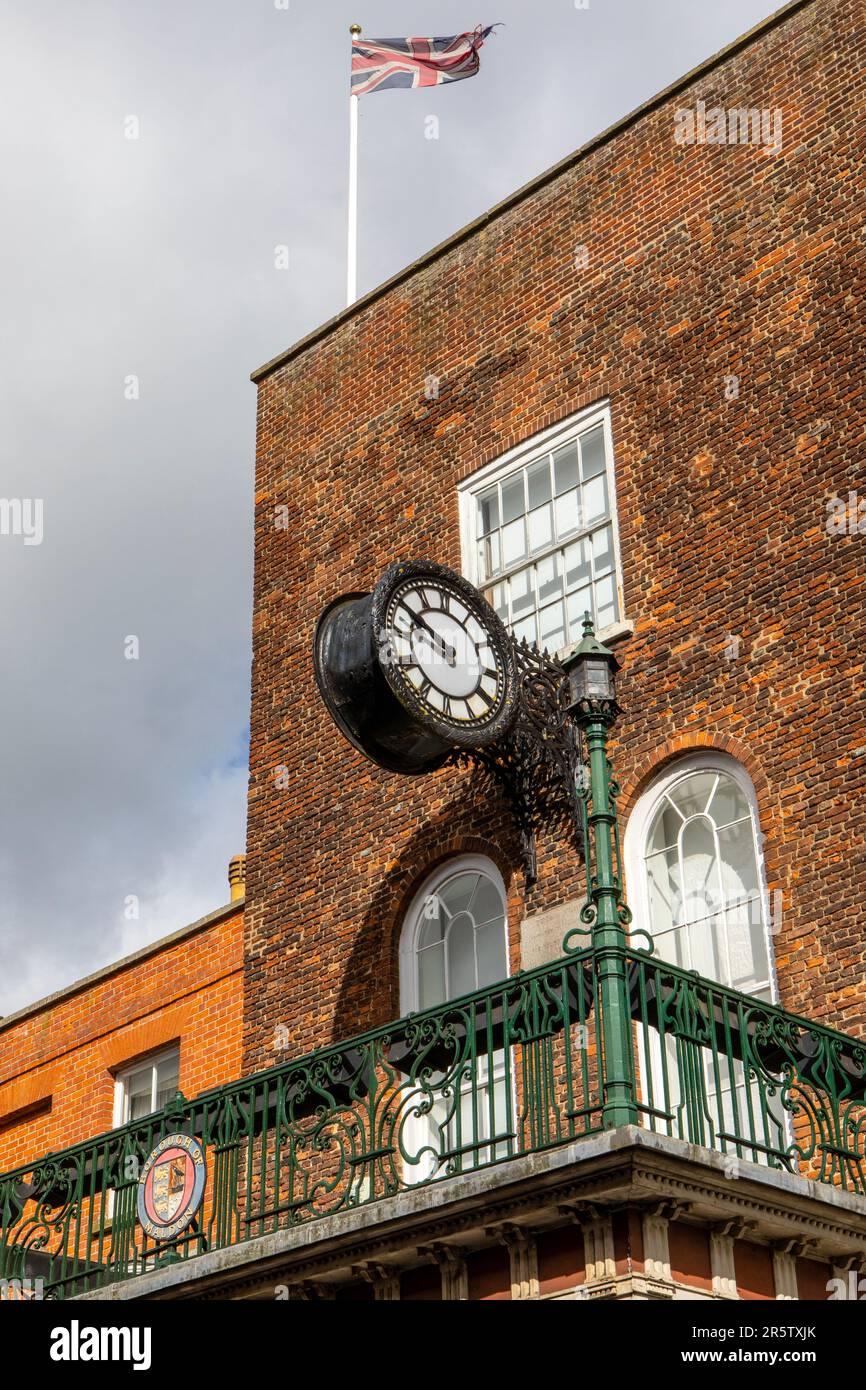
{"x": 538, "y": 763}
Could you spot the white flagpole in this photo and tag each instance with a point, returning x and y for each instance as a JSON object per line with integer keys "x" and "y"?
{"x": 352, "y": 270}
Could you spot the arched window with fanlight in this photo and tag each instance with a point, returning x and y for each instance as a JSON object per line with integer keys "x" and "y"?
{"x": 454, "y": 942}
{"x": 696, "y": 884}
{"x": 454, "y": 938}
{"x": 695, "y": 873}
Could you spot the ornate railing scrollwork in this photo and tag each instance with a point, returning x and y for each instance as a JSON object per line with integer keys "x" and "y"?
{"x": 512, "y": 1069}
{"x": 538, "y": 763}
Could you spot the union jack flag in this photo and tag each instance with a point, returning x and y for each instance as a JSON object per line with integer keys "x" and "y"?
{"x": 381, "y": 63}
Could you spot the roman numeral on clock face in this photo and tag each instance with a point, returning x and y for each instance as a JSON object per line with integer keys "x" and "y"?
{"x": 444, "y": 653}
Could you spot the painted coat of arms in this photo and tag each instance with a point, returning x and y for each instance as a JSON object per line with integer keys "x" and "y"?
{"x": 171, "y": 1186}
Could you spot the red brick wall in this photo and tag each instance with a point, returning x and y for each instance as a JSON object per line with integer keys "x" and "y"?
{"x": 704, "y": 261}
{"x": 66, "y": 1053}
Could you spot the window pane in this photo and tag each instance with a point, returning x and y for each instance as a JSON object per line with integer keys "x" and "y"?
{"x": 168, "y": 1072}
{"x": 486, "y": 905}
{"x": 489, "y": 560}
{"x": 549, "y": 579}
{"x": 523, "y": 592}
{"x": 527, "y": 631}
{"x": 666, "y": 828}
{"x": 490, "y": 945}
{"x": 579, "y": 603}
{"x": 729, "y": 802}
{"x": 540, "y": 528}
{"x": 747, "y": 944}
{"x": 514, "y": 543}
{"x": 602, "y": 549}
{"x": 664, "y": 888}
{"x": 433, "y": 921}
{"x": 498, "y": 599}
{"x": 692, "y": 795}
{"x": 565, "y": 468}
{"x": 568, "y": 515}
{"x": 707, "y": 947}
{"x": 551, "y": 627}
{"x": 739, "y": 869}
{"x": 592, "y": 453}
{"x": 538, "y": 483}
{"x": 139, "y": 1106}
{"x": 167, "y": 1080}
{"x": 513, "y": 504}
{"x": 605, "y": 602}
{"x": 701, "y": 884}
{"x": 139, "y": 1091}
{"x": 456, "y": 893}
{"x": 577, "y": 564}
{"x": 431, "y": 977}
{"x": 594, "y": 500}
{"x": 460, "y": 945}
{"x": 488, "y": 511}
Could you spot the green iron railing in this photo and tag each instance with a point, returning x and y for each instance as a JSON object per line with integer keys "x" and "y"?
{"x": 731, "y": 1072}
{"x": 513, "y": 1069}
{"x": 508, "y": 1070}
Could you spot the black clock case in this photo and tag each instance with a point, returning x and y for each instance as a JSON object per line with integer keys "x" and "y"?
{"x": 359, "y": 699}
{"x": 380, "y": 722}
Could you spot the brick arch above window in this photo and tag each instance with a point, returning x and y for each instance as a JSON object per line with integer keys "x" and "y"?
{"x": 148, "y": 1035}
{"x": 412, "y": 880}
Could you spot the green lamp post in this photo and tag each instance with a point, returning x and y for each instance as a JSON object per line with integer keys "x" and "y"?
{"x": 593, "y": 708}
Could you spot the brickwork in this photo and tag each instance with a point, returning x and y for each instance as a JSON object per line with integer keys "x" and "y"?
{"x": 58, "y": 1060}
{"x": 701, "y": 262}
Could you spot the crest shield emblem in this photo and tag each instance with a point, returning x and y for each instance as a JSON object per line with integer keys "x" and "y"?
{"x": 169, "y": 1185}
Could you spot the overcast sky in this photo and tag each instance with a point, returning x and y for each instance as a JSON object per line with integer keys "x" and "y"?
{"x": 153, "y": 258}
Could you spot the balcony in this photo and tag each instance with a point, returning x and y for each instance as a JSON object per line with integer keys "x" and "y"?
{"x": 518, "y": 1069}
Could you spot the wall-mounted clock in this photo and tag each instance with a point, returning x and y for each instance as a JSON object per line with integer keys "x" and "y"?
{"x": 416, "y": 669}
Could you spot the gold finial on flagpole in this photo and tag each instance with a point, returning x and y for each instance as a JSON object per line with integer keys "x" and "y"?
{"x": 354, "y": 30}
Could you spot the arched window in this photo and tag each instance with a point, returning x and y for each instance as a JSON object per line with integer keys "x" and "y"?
{"x": 454, "y": 942}
{"x": 695, "y": 873}
{"x": 696, "y": 884}
{"x": 454, "y": 938}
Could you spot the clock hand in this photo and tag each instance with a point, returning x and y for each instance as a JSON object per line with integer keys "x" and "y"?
{"x": 447, "y": 651}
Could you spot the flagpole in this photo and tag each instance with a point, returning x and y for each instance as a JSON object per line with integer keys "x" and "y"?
{"x": 352, "y": 269}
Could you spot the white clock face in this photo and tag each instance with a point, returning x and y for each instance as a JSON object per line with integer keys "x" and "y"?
{"x": 443, "y": 653}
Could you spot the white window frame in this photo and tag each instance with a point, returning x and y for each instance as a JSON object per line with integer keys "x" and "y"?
{"x": 520, "y": 457}
{"x": 634, "y": 844}
{"x": 421, "y": 1129}
{"x": 412, "y": 922}
{"x": 121, "y": 1080}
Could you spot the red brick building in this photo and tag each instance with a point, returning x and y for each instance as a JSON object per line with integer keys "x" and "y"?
{"x": 82, "y": 1060}
{"x": 633, "y": 388}
{"x": 642, "y": 282}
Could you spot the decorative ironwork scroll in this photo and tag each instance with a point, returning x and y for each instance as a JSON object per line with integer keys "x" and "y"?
{"x": 538, "y": 764}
